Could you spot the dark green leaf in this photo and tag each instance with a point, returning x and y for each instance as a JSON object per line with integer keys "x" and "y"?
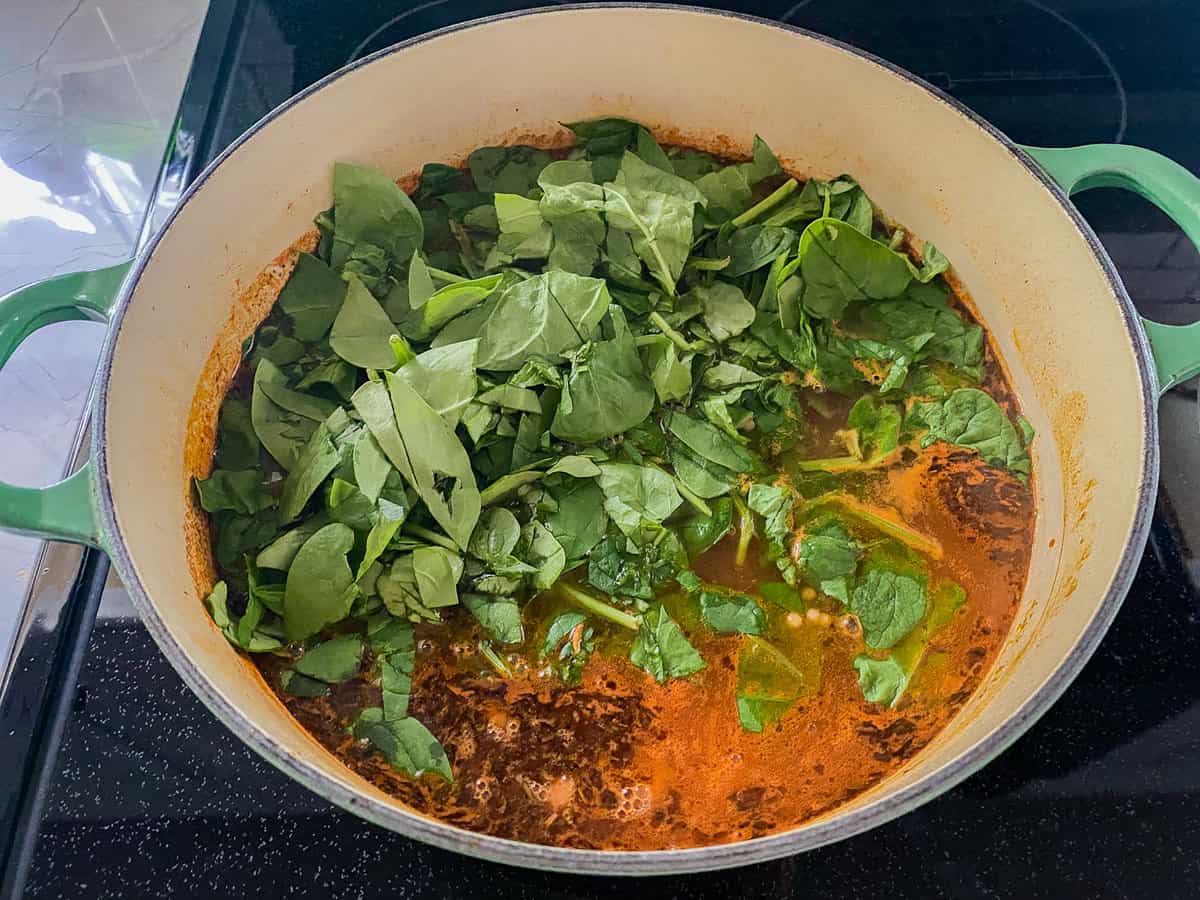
{"x": 333, "y": 661}
{"x": 507, "y": 170}
{"x": 301, "y": 685}
{"x": 361, "y": 330}
{"x": 405, "y": 743}
{"x": 840, "y": 264}
{"x": 579, "y": 522}
{"x": 243, "y": 492}
{"x": 283, "y": 433}
{"x": 700, "y": 532}
{"x": 889, "y": 605}
{"x": 370, "y": 208}
{"x": 635, "y": 495}
{"x": 444, "y": 377}
{"x": 320, "y": 585}
{"x": 237, "y": 445}
{"x": 730, "y": 190}
{"x": 756, "y": 246}
{"x": 499, "y": 617}
{"x": 312, "y": 297}
{"x": 662, "y": 649}
{"x": 732, "y": 613}
{"x": 882, "y": 680}
{"x": 607, "y": 391}
{"x": 313, "y": 465}
{"x": 570, "y": 641}
{"x": 710, "y": 443}
{"x": 970, "y": 418}
{"x": 544, "y": 316}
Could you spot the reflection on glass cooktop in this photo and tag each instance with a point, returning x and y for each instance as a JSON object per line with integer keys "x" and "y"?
{"x": 153, "y": 797}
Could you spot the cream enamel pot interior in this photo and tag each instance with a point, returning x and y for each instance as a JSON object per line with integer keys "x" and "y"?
{"x": 1078, "y": 355}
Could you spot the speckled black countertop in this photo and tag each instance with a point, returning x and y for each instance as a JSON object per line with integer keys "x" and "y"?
{"x": 152, "y": 797}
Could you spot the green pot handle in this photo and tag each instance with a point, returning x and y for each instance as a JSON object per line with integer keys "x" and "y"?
{"x": 1167, "y": 185}
{"x": 63, "y": 511}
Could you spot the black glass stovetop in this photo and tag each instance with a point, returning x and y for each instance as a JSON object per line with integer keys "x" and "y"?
{"x": 150, "y": 796}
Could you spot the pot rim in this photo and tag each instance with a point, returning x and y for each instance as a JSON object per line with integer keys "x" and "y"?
{"x": 641, "y": 862}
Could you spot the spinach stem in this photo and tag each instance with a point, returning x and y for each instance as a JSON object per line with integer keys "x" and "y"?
{"x": 676, "y": 338}
{"x": 600, "y": 608}
{"x": 745, "y": 530}
{"x": 845, "y": 463}
{"x": 442, "y": 275}
{"x": 766, "y": 204}
{"x": 494, "y": 660}
{"x": 860, "y": 511}
{"x": 432, "y": 536}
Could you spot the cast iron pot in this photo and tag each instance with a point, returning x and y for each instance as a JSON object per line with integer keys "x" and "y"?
{"x": 1087, "y": 369}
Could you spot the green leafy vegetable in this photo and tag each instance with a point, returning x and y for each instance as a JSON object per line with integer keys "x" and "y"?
{"x": 361, "y": 330}
{"x": 405, "y": 743}
{"x": 768, "y": 683}
{"x": 732, "y": 613}
{"x": 889, "y": 605}
{"x": 332, "y": 661}
{"x": 662, "y": 649}
{"x": 312, "y": 297}
{"x": 320, "y": 585}
{"x": 970, "y": 418}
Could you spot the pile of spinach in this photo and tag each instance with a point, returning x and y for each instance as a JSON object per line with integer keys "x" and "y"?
{"x": 537, "y": 365}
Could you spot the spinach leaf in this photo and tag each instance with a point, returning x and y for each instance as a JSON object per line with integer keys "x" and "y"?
{"x": 699, "y": 476}
{"x": 659, "y": 223}
{"x": 607, "y": 391}
{"x": 970, "y": 418}
{"x": 670, "y": 373}
{"x": 499, "y": 617}
{"x": 575, "y": 466}
{"x": 700, "y": 532}
{"x": 496, "y": 535}
{"x": 732, "y": 613}
{"x": 507, "y": 170}
{"x": 648, "y": 151}
{"x": 542, "y": 550}
{"x": 727, "y": 312}
{"x": 729, "y": 190}
{"x": 243, "y": 492}
{"x": 882, "y": 680}
{"x": 338, "y": 374}
{"x": 238, "y": 446}
{"x": 371, "y": 467}
{"x": 282, "y": 433}
{"x": 571, "y": 641}
{"x": 320, "y": 586}
{"x": 579, "y": 521}
{"x": 280, "y": 552}
{"x": 783, "y": 595}
{"x": 395, "y": 681}
{"x": 312, "y": 297}
{"x": 924, "y": 309}
{"x": 361, "y": 330}
{"x": 314, "y": 464}
{"x": 888, "y": 604}
{"x": 543, "y": 316}
{"x": 370, "y": 208}
{"x": 387, "y": 523}
{"x": 662, "y": 649}
{"x": 509, "y": 396}
{"x": 243, "y": 632}
{"x": 828, "y": 555}
{"x": 839, "y": 264}
{"x": 333, "y": 661}
{"x": 710, "y": 443}
{"x": 425, "y": 450}
{"x": 453, "y": 300}
{"x": 298, "y": 685}
{"x": 768, "y": 683}
{"x": 604, "y": 137}
{"x": 444, "y": 377}
{"x": 437, "y": 572}
{"x": 756, "y": 246}
{"x": 405, "y": 743}
{"x": 636, "y": 495}
{"x": 308, "y": 406}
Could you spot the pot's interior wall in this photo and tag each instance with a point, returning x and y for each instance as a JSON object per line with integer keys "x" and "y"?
{"x": 1031, "y": 274}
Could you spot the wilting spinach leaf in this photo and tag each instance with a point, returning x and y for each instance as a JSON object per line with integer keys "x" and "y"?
{"x": 405, "y": 743}
{"x": 499, "y": 617}
{"x": 332, "y": 661}
{"x": 243, "y": 492}
{"x": 888, "y": 604}
{"x": 662, "y": 649}
{"x": 732, "y": 613}
{"x": 970, "y": 418}
{"x": 768, "y": 683}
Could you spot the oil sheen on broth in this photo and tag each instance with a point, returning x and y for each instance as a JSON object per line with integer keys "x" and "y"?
{"x": 619, "y": 761}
